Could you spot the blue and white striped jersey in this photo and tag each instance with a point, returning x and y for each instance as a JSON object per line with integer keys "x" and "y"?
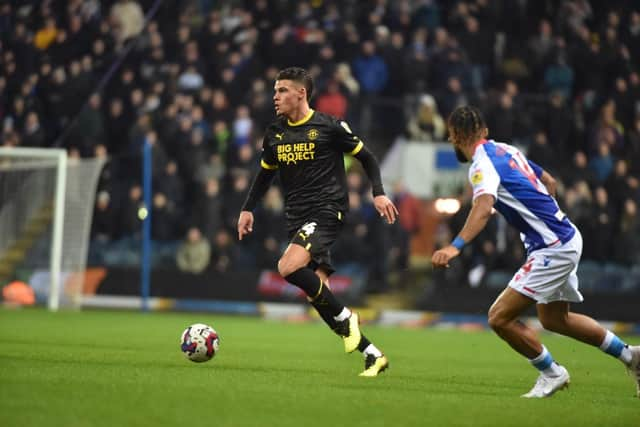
{"x": 504, "y": 172}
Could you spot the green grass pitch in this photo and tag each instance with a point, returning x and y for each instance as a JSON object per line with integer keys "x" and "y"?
{"x": 108, "y": 368}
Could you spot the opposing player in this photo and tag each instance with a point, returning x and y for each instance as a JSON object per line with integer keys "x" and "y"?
{"x": 306, "y": 149}
{"x": 502, "y": 178}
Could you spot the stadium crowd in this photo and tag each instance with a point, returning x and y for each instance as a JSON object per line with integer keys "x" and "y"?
{"x": 194, "y": 80}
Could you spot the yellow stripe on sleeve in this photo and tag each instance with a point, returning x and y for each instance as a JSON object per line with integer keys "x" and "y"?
{"x": 266, "y": 165}
{"x": 357, "y": 149}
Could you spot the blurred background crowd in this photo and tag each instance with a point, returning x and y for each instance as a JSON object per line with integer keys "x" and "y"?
{"x": 193, "y": 78}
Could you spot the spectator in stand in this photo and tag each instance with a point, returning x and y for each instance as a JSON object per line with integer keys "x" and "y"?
{"x": 607, "y": 129}
{"x": 578, "y": 204}
{"x": 235, "y": 197}
{"x": 579, "y": 170}
{"x": 372, "y": 74}
{"x": 207, "y": 214}
{"x": 46, "y": 35}
{"x": 224, "y": 253}
{"x": 103, "y": 228}
{"x": 33, "y": 133}
{"x": 246, "y": 158}
{"x": 242, "y": 126}
{"x": 349, "y": 87}
{"x": 170, "y": 183}
{"x": 351, "y": 252}
{"x": 271, "y": 237}
{"x": 128, "y": 19}
{"x": 619, "y": 185}
{"x": 90, "y": 129}
{"x": 557, "y": 122}
{"x": 107, "y": 180}
{"x": 503, "y": 118}
{"x": 129, "y": 221}
{"x": 118, "y": 126}
{"x": 541, "y": 46}
{"x": 164, "y": 219}
{"x": 478, "y": 40}
{"x": 407, "y": 227}
{"x": 193, "y": 155}
{"x": 598, "y": 242}
{"x": 601, "y": 163}
{"x": 632, "y": 147}
{"x": 214, "y": 168}
{"x": 542, "y": 153}
{"x": 558, "y": 74}
{"x": 332, "y": 101}
{"x": 103, "y": 223}
{"x": 394, "y": 56}
{"x": 259, "y": 102}
{"x": 626, "y": 251}
{"x": 427, "y": 124}
{"x": 416, "y": 64}
{"x": 451, "y": 97}
{"x": 624, "y": 102}
{"x": 194, "y": 253}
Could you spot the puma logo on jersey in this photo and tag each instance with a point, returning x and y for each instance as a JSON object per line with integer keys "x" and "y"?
{"x": 279, "y": 136}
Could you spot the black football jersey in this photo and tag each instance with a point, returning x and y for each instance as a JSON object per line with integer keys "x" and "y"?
{"x": 308, "y": 156}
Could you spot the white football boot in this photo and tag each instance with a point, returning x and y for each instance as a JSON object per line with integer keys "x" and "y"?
{"x": 634, "y": 366}
{"x": 545, "y": 386}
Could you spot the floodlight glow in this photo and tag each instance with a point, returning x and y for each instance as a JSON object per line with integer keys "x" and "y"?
{"x": 447, "y": 206}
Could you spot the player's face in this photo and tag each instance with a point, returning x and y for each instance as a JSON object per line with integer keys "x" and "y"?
{"x": 456, "y": 146}
{"x": 288, "y": 97}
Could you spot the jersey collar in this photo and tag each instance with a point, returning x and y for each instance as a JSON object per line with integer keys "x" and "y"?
{"x": 303, "y": 120}
{"x": 477, "y": 144}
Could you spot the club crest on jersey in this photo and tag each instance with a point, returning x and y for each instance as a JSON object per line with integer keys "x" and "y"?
{"x": 476, "y": 178}
{"x": 313, "y": 134}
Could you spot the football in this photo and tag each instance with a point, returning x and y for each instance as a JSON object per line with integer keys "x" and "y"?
{"x": 199, "y": 342}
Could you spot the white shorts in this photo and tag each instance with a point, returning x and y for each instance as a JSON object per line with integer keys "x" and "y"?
{"x": 549, "y": 274}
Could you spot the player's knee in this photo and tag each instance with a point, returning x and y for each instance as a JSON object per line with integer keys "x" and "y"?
{"x": 286, "y": 266}
{"x": 496, "y": 320}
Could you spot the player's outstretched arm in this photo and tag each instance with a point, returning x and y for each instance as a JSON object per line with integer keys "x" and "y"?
{"x": 476, "y": 221}
{"x": 259, "y": 186}
{"x": 382, "y": 203}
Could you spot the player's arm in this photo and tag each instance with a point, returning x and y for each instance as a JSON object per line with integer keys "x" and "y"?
{"x": 349, "y": 143}
{"x": 481, "y": 211}
{"x": 259, "y": 187}
{"x": 383, "y": 205}
{"x": 545, "y": 177}
{"x": 549, "y": 182}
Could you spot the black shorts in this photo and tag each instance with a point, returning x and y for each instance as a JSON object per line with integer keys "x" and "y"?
{"x": 317, "y": 234}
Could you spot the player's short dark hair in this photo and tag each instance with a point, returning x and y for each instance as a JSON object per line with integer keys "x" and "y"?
{"x": 467, "y": 123}
{"x": 299, "y": 75}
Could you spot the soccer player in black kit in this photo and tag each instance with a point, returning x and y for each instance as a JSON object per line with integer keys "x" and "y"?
{"x": 306, "y": 148}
